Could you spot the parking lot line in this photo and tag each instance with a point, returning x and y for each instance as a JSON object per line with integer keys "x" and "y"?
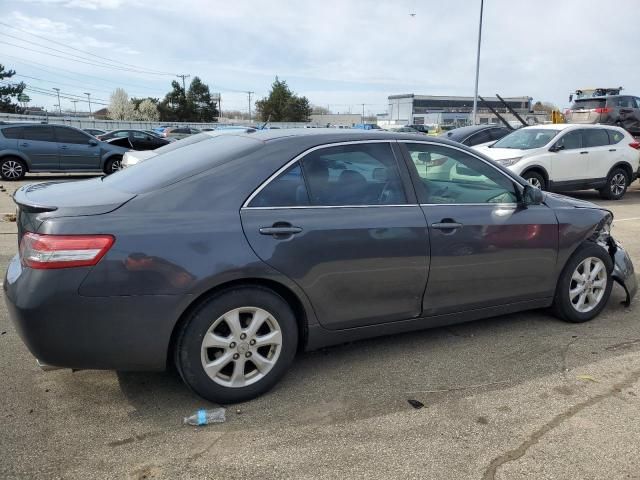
{"x": 625, "y": 219}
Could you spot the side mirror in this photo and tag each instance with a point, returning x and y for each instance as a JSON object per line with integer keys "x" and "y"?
{"x": 93, "y": 142}
{"x": 556, "y": 148}
{"x": 532, "y": 195}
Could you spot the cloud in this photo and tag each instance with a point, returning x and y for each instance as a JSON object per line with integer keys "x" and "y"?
{"x": 103, "y": 26}
{"x": 84, "y": 4}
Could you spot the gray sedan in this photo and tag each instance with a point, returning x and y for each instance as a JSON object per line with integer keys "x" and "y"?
{"x": 229, "y": 255}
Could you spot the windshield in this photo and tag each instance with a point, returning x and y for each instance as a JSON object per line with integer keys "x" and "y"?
{"x": 526, "y": 139}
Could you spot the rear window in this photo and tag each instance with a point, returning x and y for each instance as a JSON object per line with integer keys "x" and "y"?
{"x": 13, "y": 132}
{"x": 588, "y": 104}
{"x": 614, "y": 136}
{"x": 183, "y": 162}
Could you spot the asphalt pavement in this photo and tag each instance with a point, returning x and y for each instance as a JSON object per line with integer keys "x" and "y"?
{"x": 514, "y": 397}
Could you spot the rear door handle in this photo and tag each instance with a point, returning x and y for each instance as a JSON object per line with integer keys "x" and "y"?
{"x": 446, "y": 225}
{"x": 583, "y": 153}
{"x": 24, "y": 144}
{"x": 612, "y": 149}
{"x": 63, "y": 147}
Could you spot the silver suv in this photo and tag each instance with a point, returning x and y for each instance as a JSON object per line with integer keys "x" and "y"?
{"x": 31, "y": 147}
{"x": 620, "y": 110}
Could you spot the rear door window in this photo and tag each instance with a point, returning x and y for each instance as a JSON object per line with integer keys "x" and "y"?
{"x": 498, "y": 133}
{"x": 39, "y": 133}
{"x": 595, "y": 137}
{"x": 588, "y": 104}
{"x": 359, "y": 174}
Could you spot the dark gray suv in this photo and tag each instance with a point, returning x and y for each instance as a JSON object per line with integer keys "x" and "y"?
{"x": 229, "y": 255}
{"x": 620, "y": 110}
{"x": 54, "y": 148}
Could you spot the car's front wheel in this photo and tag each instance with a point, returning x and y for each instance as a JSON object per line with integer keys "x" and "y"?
{"x": 616, "y": 186}
{"x": 535, "y": 180}
{"x": 585, "y": 284}
{"x": 237, "y": 345}
{"x": 113, "y": 165}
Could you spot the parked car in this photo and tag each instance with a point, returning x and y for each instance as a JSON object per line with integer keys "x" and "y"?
{"x": 134, "y": 157}
{"x": 202, "y": 256}
{"x": 134, "y": 139}
{"x": 94, "y": 131}
{"x": 367, "y": 126}
{"x": 54, "y": 148}
{"x": 179, "y": 132}
{"x": 421, "y": 128}
{"x": 476, "y": 134}
{"x": 160, "y": 129}
{"x": 620, "y": 110}
{"x": 404, "y": 130}
{"x": 570, "y": 157}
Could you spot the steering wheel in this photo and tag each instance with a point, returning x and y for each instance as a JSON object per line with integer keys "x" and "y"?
{"x": 385, "y": 194}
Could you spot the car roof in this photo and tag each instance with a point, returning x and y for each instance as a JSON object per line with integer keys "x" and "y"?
{"x": 565, "y": 126}
{"x": 463, "y": 132}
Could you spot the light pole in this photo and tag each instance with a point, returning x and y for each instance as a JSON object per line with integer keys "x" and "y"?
{"x": 58, "y": 92}
{"x": 75, "y": 109}
{"x": 89, "y": 98}
{"x": 250, "y": 93}
{"x": 475, "y": 97}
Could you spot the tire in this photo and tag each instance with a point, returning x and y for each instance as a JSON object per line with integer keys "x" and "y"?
{"x": 535, "y": 179}
{"x": 226, "y": 353}
{"x": 616, "y": 186}
{"x": 113, "y": 165}
{"x": 12, "y": 168}
{"x": 571, "y": 289}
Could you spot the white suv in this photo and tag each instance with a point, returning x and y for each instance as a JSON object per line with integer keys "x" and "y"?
{"x": 570, "y": 157}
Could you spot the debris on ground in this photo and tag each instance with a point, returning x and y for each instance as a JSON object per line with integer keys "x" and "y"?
{"x": 587, "y": 378}
{"x": 415, "y": 403}
{"x": 205, "y": 417}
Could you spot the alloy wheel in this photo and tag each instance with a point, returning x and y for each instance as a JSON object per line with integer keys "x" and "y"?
{"x": 241, "y": 347}
{"x": 534, "y": 182}
{"x": 12, "y": 169}
{"x": 618, "y": 184}
{"x": 116, "y": 165}
{"x": 588, "y": 284}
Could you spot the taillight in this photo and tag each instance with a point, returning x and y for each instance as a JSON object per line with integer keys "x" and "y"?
{"x": 603, "y": 110}
{"x": 635, "y": 145}
{"x": 63, "y": 251}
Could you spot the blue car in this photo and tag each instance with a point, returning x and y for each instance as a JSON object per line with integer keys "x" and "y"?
{"x": 31, "y": 147}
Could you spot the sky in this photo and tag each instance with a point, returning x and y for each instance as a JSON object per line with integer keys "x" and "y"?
{"x": 338, "y": 53}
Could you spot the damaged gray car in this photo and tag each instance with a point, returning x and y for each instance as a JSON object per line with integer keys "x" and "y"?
{"x": 227, "y": 256}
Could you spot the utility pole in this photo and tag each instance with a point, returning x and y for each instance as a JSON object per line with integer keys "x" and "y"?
{"x": 363, "y": 113}
{"x": 89, "y": 98}
{"x": 475, "y": 97}
{"x": 75, "y": 109}
{"x": 249, "y": 93}
{"x": 58, "y": 92}
{"x": 184, "y": 88}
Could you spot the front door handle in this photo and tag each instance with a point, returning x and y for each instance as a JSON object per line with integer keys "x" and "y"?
{"x": 63, "y": 147}
{"x": 583, "y": 153}
{"x": 24, "y": 144}
{"x": 612, "y": 149}
{"x": 280, "y": 230}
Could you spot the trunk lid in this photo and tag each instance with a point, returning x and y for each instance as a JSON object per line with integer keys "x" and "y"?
{"x": 41, "y": 201}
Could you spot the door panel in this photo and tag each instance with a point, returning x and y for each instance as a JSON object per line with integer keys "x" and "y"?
{"x": 357, "y": 265}
{"x": 75, "y": 151}
{"x": 39, "y": 144}
{"x": 499, "y": 254}
{"x": 572, "y": 162}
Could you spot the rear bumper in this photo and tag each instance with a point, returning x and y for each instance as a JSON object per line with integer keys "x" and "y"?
{"x": 623, "y": 271}
{"x": 64, "y": 329}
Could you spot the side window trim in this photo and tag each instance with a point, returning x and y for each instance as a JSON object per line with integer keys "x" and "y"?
{"x": 300, "y": 156}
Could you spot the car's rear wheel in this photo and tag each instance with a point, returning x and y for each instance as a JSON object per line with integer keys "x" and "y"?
{"x": 237, "y": 345}
{"x": 12, "y": 168}
{"x": 113, "y": 165}
{"x": 616, "y": 186}
{"x": 535, "y": 179}
{"x": 585, "y": 284}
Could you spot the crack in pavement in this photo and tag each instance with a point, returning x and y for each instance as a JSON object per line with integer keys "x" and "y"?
{"x": 556, "y": 421}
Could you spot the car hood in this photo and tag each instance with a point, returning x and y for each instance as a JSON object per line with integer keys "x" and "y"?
{"x": 555, "y": 200}
{"x": 500, "y": 153}
{"x": 133, "y": 157}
